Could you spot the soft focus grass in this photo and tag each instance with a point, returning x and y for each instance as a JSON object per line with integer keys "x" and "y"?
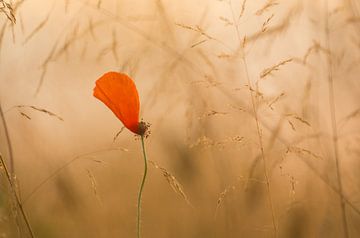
{"x": 207, "y": 177}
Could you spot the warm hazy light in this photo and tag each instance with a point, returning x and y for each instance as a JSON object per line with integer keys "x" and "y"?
{"x": 254, "y": 106}
{"x": 118, "y": 92}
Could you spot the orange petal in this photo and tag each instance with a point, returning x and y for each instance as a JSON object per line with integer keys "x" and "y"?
{"x": 118, "y": 92}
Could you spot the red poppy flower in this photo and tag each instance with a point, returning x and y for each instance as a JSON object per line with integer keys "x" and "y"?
{"x": 118, "y": 92}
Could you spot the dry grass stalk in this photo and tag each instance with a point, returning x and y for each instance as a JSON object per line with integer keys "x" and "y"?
{"x": 93, "y": 184}
{"x": 257, "y": 92}
{"x": 266, "y": 23}
{"x": 206, "y": 142}
{"x": 210, "y": 80}
{"x": 266, "y": 7}
{"x": 292, "y": 181}
{"x": 226, "y": 21}
{"x": 13, "y": 187}
{"x": 203, "y": 142}
{"x": 316, "y": 47}
{"x": 87, "y": 156}
{"x": 174, "y": 183}
{"x": 334, "y": 127}
{"x": 198, "y": 43}
{"x": 37, "y": 109}
{"x": 258, "y": 128}
{"x": 242, "y": 11}
{"x": 298, "y": 118}
{"x": 118, "y": 133}
{"x": 277, "y": 29}
{"x": 8, "y": 10}
{"x": 239, "y": 181}
{"x": 114, "y": 46}
{"x": 292, "y": 125}
{"x": 37, "y": 28}
{"x": 224, "y": 56}
{"x": 25, "y": 115}
{"x": 273, "y": 68}
{"x": 350, "y": 116}
{"x": 237, "y": 107}
{"x": 202, "y": 32}
{"x": 211, "y": 113}
{"x": 302, "y": 151}
{"x": 275, "y": 100}
{"x": 196, "y": 29}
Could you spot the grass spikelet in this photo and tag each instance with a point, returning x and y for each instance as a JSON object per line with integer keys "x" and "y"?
{"x": 239, "y": 181}
{"x": 275, "y": 100}
{"x": 242, "y": 11}
{"x": 212, "y": 113}
{"x": 198, "y": 43}
{"x": 25, "y": 115}
{"x": 273, "y": 68}
{"x": 237, "y": 108}
{"x": 173, "y": 182}
{"x": 42, "y": 110}
{"x": 269, "y": 4}
{"x": 302, "y": 151}
{"x": 298, "y": 118}
{"x": 8, "y": 10}
{"x": 292, "y": 125}
{"x": 266, "y": 23}
{"x": 93, "y": 184}
{"x": 224, "y": 56}
{"x": 226, "y": 21}
{"x": 203, "y": 141}
{"x": 118, "y": 133}
{"x": 196, "y": 29}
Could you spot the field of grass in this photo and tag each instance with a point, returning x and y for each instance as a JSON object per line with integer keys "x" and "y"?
{"x": 253, "y": 105}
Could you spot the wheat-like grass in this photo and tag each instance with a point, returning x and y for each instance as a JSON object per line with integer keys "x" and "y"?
{"x": 174, "y": 183}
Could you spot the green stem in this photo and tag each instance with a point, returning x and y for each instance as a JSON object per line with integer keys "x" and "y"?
{"x": 141, "y": 188}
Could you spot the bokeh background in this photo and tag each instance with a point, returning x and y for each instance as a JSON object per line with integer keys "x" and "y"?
{"x": 254, "y": 112}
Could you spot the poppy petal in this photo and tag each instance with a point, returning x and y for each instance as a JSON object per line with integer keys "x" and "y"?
{"x": 118, "y": 92}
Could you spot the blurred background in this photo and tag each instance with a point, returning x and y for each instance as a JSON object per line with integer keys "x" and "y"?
{"x": 254, "y": 112}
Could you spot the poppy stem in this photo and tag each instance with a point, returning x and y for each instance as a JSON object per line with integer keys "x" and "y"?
{"x": 141, "y": 188}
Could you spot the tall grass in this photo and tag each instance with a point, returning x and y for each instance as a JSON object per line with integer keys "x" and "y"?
{"x": 254, "y": 111}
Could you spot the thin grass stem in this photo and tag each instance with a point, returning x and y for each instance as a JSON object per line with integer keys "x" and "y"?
{"x": 334, "y": 123}
{"x": 17, "y": 198}
{"x": 10, "y": 177}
